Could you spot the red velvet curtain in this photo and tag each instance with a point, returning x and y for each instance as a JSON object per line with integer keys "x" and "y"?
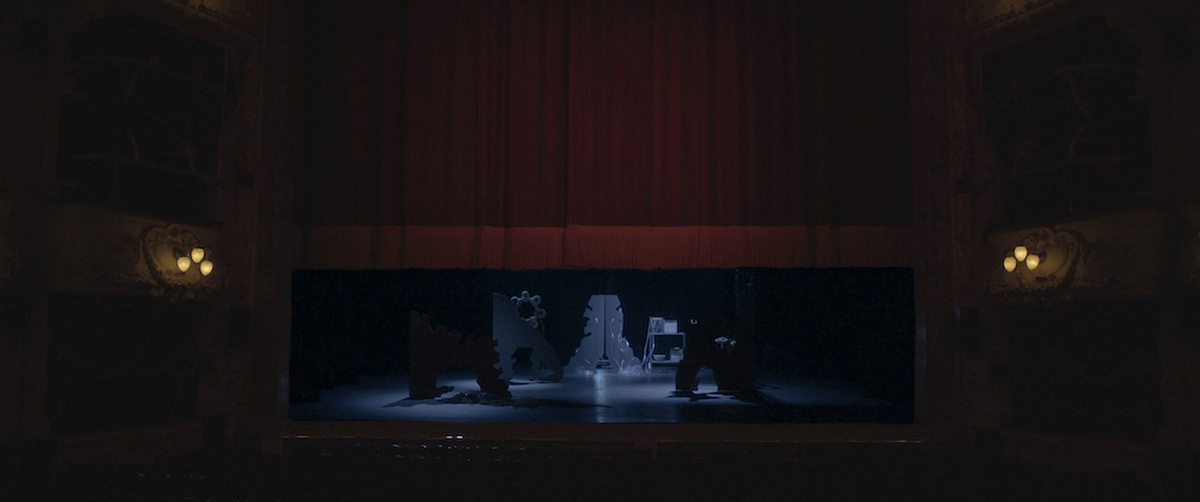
{"x": 486, "y": 113}
{"x": 572, "y": 124}
{"x": 687, "y": 113}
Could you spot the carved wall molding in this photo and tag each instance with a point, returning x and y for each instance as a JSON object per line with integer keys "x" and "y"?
{"x": 227, "y": 22}
{"x": 1065, "y": 124}
{"x": 234, "y": 12}
{"x": 986, "y": 16}
{"x": 166, "y": 248}
{"x": 998, "y": 22}
{"x": 91, "y": 249}
{"x": 1117, "y": 255}
{"x": 1048, "y": 261}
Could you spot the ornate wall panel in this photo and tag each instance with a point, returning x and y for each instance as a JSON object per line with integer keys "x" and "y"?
{"x": 141, "y": 123}
{"x": 91, "y": 249}
{"x": 1117, "y": 255}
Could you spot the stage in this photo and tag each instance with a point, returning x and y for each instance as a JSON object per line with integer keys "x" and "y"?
{"x": 800, "y": 345}
{"x": 604, "y": 396}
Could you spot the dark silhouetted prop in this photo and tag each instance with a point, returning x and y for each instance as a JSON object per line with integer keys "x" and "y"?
{"x": 513, "y": 331}
{"x": 726, "y": 349}
{"x": 434, "y": 350}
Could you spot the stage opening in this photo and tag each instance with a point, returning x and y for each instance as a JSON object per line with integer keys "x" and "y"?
{"x": 749, "y": 345}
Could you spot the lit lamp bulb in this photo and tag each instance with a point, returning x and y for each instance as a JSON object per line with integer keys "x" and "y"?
{"x": 1019, "y": 252}
{"x": 197, "y": 254}
{"x": 206, "y": 267}
{"x": 1010, "y": 264}
{"x": 184, "y": 263}
{"x": 1033, "y": 261}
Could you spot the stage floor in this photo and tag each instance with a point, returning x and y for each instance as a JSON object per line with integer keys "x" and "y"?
{"x": 604, "y": 396}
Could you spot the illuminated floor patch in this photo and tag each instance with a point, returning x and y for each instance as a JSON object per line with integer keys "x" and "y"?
{"x": 601, "y": 397}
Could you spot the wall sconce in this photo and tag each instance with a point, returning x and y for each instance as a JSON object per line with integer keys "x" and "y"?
{"x": 1041, "y": 260}
{"x": 176, "y": 259}
{"x": 1033, "y": 251}
{"x": 195, "y": 256}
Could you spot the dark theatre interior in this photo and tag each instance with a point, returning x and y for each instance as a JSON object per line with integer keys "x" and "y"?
{"x": 584, "y": 249}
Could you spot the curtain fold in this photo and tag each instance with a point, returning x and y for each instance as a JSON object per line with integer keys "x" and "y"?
{"x": 603, "y": 247}
{"x": 596, "y": 118}
{"x": 485, "y": 113}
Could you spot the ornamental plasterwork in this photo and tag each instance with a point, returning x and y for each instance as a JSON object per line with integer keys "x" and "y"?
{"x": 989, "y": 14}
{"x": 1119, "y": 254}
{"x": 1058, "y": 253}
{"x": 90, "y": 249}
{"x": 233, "y": 14}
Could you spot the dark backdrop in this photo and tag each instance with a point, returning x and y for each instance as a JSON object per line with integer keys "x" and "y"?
{"x": 851, "y": 325}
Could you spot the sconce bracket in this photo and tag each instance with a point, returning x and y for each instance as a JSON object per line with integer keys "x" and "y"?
{"x": 162, "y": 246}
{"x": 1058, "y": 253}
